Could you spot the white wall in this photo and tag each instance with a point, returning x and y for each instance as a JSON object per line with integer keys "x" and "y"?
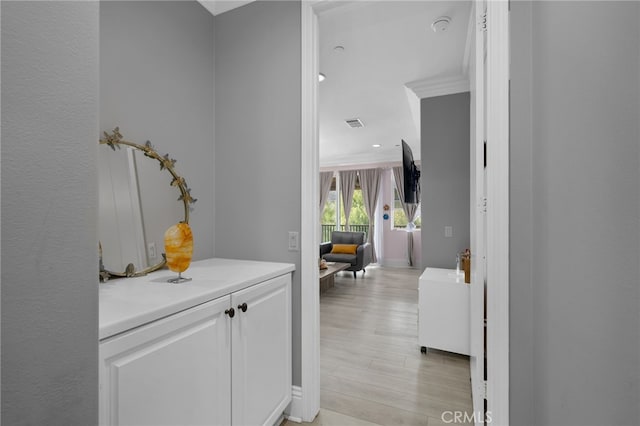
{"x": 49, "y": 213}
{"x": 157, "y": 84}
{"x": 575, "y": 209}
{"x": 444, "y": 178}
{"x": 257, "y": 167}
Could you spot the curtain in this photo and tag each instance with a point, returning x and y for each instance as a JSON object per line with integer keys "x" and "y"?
{"x": 410, "y": 210}
{"x": 325, "y": 186}
{"x": 370, "y": 185}
{"x": 347, "y": 186}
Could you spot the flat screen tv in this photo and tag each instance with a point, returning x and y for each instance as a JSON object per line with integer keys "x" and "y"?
{"x": 411, "y": 176}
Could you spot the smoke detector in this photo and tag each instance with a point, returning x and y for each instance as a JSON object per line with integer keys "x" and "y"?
{"x": 440, "y": 24}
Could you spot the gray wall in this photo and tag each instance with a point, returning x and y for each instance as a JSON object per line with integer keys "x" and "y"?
{"x": 49, "y": 212}
{"x": 521, "y": 222}
{"x": 444, "y": 178}
{"x": 575, "y": 205}
{"x": 157, "y": 84}
{"x": 257, "y": 168}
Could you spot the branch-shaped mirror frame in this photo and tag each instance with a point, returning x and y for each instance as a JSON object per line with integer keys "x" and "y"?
{"x": 115, "y": 141}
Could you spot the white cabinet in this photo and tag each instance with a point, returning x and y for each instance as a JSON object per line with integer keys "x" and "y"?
{"x": 261, "y": 353}
{"x": 212, "y": 364}
{"x": 169, "y": 372}
{"x": 443, "y": 311}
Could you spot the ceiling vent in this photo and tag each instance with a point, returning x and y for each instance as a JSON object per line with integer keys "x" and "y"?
{"x": 354, "y": 123}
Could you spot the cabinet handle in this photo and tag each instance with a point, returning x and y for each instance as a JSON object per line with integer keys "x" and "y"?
{"x": 231, "y": 312}
{"x": 243, "y": 307}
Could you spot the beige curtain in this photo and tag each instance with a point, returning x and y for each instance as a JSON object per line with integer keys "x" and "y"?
{"x": 410, "y": 211}
{"x": 325, "y": 187}
{"x": 347, "y": 187}
{"x": 370, "y": 185}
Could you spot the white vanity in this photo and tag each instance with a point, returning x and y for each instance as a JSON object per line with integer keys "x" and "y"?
{"x": 212, "y": 351}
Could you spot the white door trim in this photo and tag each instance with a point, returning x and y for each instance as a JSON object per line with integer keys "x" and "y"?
{"x": 477, "y": 211}
{"x": 309, "y": 242}
{"x": 498, "y": 211}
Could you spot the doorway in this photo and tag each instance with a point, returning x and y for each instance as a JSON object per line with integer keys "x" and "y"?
{"x": 497, "y": 210}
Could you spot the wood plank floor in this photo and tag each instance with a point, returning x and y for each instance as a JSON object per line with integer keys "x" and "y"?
{"x": 372, "y": 371}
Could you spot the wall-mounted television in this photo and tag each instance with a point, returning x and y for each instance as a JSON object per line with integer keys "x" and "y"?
{"x": 411, "y": 176}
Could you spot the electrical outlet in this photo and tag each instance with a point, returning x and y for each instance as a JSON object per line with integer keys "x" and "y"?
{"x": 151, "y": 250}
{"x": 448, "y": 231}
{"x": 293, "y": 241}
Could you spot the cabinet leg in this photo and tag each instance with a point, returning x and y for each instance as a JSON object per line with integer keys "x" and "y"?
{"x": 423, "y": 349}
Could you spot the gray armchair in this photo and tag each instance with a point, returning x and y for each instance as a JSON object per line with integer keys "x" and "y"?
{"x": 358, "y": 261}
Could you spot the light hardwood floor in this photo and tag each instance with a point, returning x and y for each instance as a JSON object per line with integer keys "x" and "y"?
{"x": 372, "y": 371}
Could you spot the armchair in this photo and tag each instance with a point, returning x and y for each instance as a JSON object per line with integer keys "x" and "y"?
{"x": 358, "y": 260}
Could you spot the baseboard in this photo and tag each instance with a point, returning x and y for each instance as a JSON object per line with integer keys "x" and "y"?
{"x": 294, "y": 410}
{"x": 395, "y": 263}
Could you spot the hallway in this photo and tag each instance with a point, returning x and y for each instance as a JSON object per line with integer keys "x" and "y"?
{"x": 371, "y": 366}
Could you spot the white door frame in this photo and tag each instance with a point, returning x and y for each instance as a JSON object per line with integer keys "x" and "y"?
{"x": 309, "y": 242}
{"x": 497, "y": 213}
{"x": 477, "y": 211}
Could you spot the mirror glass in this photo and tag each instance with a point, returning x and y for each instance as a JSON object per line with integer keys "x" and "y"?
{"x": 140, "y": 196}
{"x": 159, "y": 204}
{"x": 120, "y": 228}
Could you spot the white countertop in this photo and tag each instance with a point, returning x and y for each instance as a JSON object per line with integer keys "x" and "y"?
{"x": 442, "y": 275}
{"x": 127, "y": 303}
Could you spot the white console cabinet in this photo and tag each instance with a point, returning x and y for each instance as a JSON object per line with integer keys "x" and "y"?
{"x": 443, "y": 311}
{"x": 226, "y": 361}
{"x": 261, "y": 353}
{"x": 172, "y": 371}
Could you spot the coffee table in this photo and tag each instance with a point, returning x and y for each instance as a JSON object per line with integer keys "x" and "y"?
{"x": 327, "y": 275}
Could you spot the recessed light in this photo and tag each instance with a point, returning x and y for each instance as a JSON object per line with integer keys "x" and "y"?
{"x": 338, "y": 49}
{"x": 321, "y": 77}
{"x": 376, "y": 145}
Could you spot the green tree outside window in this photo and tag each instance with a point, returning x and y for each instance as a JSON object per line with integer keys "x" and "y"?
{"x": 358, "y": 214}
{"x": 399, "y": 218}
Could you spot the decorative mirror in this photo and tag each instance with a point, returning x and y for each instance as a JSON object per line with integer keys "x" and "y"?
{"x": 122, "y": 193}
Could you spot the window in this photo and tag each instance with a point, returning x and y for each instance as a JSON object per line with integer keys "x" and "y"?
{"x": 358, "y": 214}
{"x": 328, "y": 218}
{"x": 399, "y": 218}
{"x": 358, "y": 220}
{"x": 330, "y": 208}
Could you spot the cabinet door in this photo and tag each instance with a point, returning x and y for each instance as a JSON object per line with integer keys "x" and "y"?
{"x": 174, "y": 371}
{"x": 261, "y": 352}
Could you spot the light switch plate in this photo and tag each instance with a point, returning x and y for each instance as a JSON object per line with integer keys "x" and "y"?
{"x": 293, "y": 241}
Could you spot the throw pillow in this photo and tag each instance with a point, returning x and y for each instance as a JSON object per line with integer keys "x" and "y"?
{"x": 344, "y": 249}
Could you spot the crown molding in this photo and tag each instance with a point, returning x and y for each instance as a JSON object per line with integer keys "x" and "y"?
{"x": 467, "y": 46}
{"x": 216, "y": 7}
{"x": 431, "y": 87}
{"x": 322, "y": 7}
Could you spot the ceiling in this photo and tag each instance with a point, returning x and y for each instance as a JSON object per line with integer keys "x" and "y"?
{"x": 390, "y": 59}
{"x": 387, "y": 44}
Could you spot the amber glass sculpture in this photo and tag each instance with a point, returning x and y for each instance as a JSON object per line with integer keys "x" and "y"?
{"x": 178, "y": 246}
